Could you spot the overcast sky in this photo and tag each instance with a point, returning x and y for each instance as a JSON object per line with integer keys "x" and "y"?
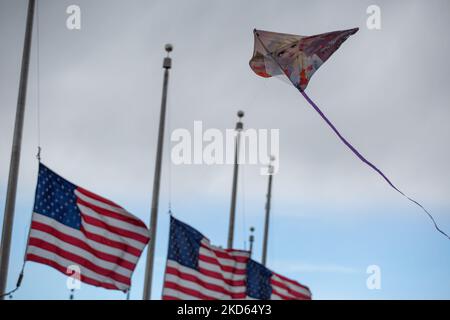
{"x": 386, "y": 90}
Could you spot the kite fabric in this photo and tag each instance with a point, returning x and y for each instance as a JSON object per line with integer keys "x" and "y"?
{"x": 298, "y": 58}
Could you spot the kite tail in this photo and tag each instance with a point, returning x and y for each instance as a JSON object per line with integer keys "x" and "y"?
{"x": 361, "y": 157}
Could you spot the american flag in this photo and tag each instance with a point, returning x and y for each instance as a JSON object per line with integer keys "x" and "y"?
{"x": 73, "y": 226}
{"x": 198, "y": 270}
{"x": 264, "y": 284}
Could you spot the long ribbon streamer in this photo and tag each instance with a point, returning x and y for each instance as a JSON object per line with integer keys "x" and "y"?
{"x": 367, "y": 162}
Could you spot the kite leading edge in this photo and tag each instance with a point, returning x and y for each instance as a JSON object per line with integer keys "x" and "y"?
{"x": 298, "y": 57}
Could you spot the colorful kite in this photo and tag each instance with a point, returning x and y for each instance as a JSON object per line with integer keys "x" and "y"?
{"x": 298, "y": 57}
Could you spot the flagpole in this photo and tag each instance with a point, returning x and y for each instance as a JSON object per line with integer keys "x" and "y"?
{"x": 167, "y": 64}
{"x": 239, "y": 127}
{"x": 251, "y": 239}
{"x": 267, "y": 220}
{"x": 8, "y": 218}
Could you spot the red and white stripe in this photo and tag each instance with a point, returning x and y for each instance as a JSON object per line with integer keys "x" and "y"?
{"x": 286, "y": 289}
{"x": 106, "y": 249}
{"x": 220, "y": 276}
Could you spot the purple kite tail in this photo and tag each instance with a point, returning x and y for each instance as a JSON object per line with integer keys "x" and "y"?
{"x": 361, "y": 157}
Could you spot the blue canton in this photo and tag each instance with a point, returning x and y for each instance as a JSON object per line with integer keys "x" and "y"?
{"x": 258, "y": 281}
{"x": 184, "y": 244}
{"x": 56, "y": 199}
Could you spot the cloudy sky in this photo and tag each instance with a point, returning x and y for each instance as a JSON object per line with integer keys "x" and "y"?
{"x": 386, "y": 90}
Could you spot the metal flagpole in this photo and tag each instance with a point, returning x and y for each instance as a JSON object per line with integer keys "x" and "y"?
{"x": 267, "y": 220}
{"x": 239, "y": 127}
{"x": 251, "y": 239}
{"x": 8, "y": 218}
{"x": 167, "y": 64}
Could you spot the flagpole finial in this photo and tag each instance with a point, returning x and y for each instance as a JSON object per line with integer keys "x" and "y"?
{"x": 169, "y": 48}
{"x": 270, "y": 166}
{"x": 251, "y": 239}
{"x": 239, "y": 124}
{"x": 167, "y": 64}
